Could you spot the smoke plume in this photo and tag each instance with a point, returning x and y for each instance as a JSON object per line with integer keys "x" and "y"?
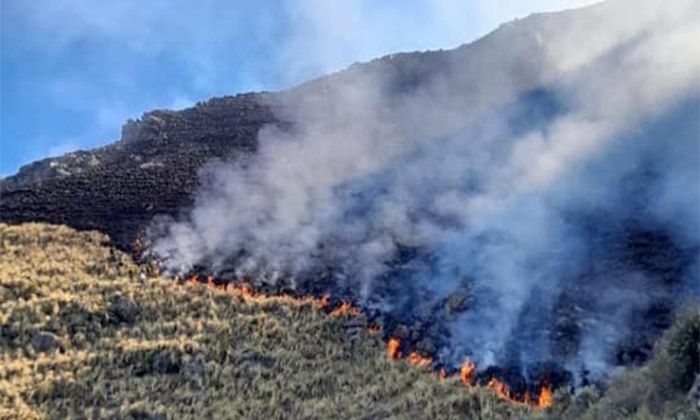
{"x": 525, "y": 198}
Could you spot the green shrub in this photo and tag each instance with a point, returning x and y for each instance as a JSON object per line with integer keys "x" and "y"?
{"x": 658, "y": 389}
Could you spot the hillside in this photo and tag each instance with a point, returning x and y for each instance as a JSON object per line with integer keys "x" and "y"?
{"x": 526, "y": 202}
{"x": 153, "y": 168}
{"x": 84, "y": 335}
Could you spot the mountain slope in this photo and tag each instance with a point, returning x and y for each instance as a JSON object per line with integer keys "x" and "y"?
{"x": 81, "y": 335}
{"x": 528, "y": 200}
{"x": 153, "y": 168}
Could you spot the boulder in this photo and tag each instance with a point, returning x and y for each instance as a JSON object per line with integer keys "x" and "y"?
{"x": 125, "y": 310}
{"x": 44, "y": 342}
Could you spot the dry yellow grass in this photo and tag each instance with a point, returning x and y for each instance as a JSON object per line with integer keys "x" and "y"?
{"x": 83, "y": 336}
{"x": 113, "y": 346}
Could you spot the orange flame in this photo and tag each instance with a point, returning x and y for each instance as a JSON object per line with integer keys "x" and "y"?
{"x": 392, "y": 348}
{"x": 192, "y": 281}
{"x": 545, "y": 398}
{"x": 500, "y": 388}
{"x": 345, "y": 308}
{"x": 246, "y": 291}
{"x": 466, "y": 372}
{"x": 416, "y": 359}
{"x": 324, "y": 301}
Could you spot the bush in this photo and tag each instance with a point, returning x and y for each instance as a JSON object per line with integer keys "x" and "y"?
{"x": 658, "y": 389}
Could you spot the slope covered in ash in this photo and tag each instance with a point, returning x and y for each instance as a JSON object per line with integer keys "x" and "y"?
{"x": 151, "y": 170}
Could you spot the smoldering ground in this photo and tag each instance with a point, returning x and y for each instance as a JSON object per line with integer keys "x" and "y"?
{"x": 531, "y": 197}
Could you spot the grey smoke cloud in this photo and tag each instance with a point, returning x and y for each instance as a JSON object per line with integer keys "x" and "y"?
{"x": 455, "y": 165}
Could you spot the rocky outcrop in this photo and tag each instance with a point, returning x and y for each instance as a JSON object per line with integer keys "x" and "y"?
{"x": 52, "y": 168}
{"x": 152, "y": 170}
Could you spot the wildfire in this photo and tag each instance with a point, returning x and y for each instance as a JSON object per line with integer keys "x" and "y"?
{"x": 416, "y": 359}
{"x": 392, "y": 348}
{"x": 345, "y": 308}
{"x": 466, "y": 372}
{"x": 324, "y": 301}
{"x": 545, "y": 398}
{"x": 245, "y": 291}
{"x": 500, "y": 388}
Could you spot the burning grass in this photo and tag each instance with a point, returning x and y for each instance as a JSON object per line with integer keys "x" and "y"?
{"x": 466, "y": 375}
{"x": 82, "y": 334}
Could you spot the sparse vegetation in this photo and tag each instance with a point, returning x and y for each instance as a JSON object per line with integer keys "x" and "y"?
{"x": 82, "y": 336}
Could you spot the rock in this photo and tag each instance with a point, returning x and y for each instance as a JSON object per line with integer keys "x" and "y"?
{"x": 126, "y": 310}
{"x": 111, "y": 180}
{"x": 44, "y": 341}
{"x": 693, "y": 396}
{"x": 163, "y": 363}
{"x": 193, "y": 371}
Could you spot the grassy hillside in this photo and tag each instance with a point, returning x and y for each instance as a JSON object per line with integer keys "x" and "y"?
{"x": 82, "y": 334}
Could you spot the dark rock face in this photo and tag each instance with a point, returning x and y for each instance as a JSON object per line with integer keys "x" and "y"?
{"x": 119, "y": 188}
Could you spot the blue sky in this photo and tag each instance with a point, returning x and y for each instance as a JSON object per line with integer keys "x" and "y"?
{"x": 72, "y": 71}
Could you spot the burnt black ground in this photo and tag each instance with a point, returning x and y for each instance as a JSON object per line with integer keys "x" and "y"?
{"x": 152, "y": 170}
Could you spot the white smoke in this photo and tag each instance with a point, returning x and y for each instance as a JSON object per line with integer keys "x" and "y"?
{"x": 382, "y": 156}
